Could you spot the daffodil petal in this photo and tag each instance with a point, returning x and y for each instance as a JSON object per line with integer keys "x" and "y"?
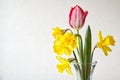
{"x": 68, "y": 70}
{"x": 60, "y": 59}
{"x": 100, "y": 35}
{"x": 59, "y": 68}
{"x": 105, "y": 52}
{"x": 107, "y": 48}
{"x": 68, "y": 51}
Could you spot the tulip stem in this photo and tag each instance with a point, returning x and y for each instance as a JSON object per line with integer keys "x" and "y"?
{"x": 80, "y": 53}
{"x": 80, "y": 47}
{"x": 80, "y": 70}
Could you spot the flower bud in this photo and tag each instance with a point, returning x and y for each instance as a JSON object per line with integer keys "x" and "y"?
{"x": 77, "y": 17}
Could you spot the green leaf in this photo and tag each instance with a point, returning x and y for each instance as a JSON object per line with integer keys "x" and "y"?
{"x": 87, "y": 53}
{"x": 87, "y": 45}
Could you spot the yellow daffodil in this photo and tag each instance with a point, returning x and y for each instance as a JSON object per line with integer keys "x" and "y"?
{"x": 65, "y": 65}
{"x": 57, "y": 32}
{"x": 104, "y": 43}
{"x": 65, "y": 44}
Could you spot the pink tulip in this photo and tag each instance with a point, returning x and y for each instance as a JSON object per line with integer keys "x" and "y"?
{"x": 77, "y": 17}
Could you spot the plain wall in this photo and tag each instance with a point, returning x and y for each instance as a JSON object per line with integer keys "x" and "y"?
{"x": 26, "y": 42}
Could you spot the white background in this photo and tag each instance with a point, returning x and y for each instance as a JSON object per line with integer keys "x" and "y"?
{"x": 26, "y": 42}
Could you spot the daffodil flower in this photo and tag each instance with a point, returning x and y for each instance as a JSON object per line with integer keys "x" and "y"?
{"x": 104, "y": 43}
{"x": 64, "y": 65}
{"x": 66, "y": 43}
{"x": 57, "y": 32}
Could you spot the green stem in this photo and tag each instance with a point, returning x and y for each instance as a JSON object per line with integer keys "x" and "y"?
{"x": 80, "y": 54}
{"x": 93, "y": 52}
{"x": 75, "y": 57}
{"x": 80, "y": 47}
{"x": 78, "y": 67}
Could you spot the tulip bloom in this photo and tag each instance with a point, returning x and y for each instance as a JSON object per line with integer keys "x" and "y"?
{"x": 77, "y": 17}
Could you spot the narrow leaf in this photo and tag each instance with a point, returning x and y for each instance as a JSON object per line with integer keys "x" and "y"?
{"x": 87, "y": 53}
{"x": 87, "y": 45}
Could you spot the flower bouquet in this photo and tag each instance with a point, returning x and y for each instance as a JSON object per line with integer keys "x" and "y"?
{"x": 70, "y": 44}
